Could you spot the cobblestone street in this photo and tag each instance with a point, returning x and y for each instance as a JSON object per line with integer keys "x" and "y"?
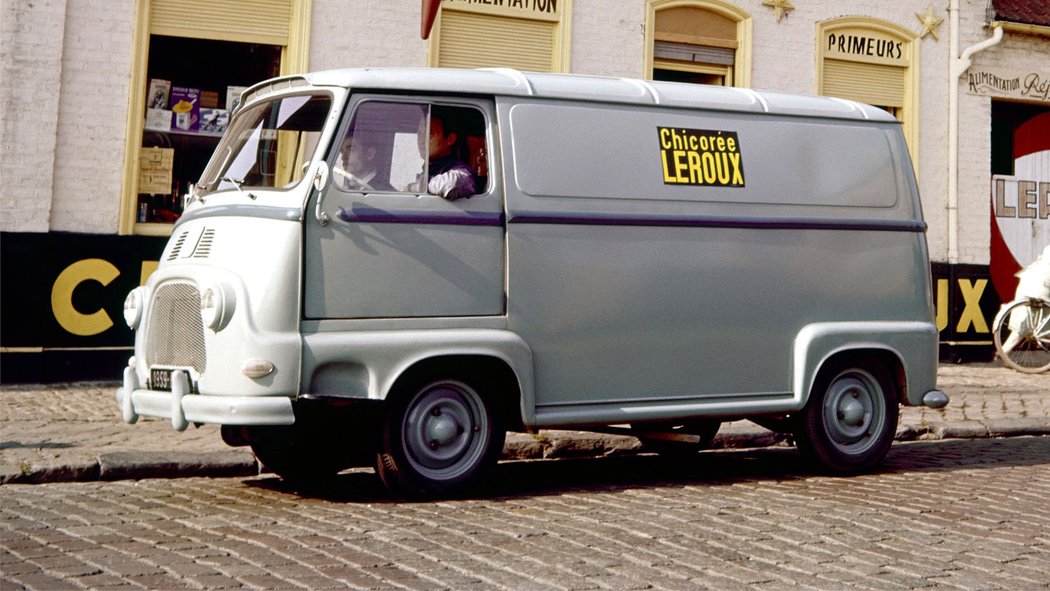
{"x": 952, "y": 514}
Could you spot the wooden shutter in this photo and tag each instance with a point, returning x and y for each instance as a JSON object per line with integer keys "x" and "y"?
{"x": 250, "y": 21}
{"x": 471, "y": 40}
{"x": 875, "y": 84}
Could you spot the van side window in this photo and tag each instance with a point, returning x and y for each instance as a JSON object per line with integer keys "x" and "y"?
{"x": 414, "y": 147}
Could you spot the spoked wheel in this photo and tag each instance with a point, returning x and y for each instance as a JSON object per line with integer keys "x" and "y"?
{"x": 851, "y": 418}
{"x": 678, "y": 440}
{"x": 1022, "y": 335}
{"x": 439, "y": 437}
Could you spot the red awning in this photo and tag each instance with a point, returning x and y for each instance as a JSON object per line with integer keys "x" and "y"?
{"x": 429, "y": 13}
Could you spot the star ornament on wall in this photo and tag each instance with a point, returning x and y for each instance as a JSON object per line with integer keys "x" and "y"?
{"x": 929, "y": 23}
{"x": 781, "y": 7}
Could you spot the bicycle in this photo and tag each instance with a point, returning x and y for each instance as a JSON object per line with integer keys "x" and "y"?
{"x": 1021, "y": 332}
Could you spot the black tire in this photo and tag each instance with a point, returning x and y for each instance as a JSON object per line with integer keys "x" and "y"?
{"x": 439, "y": 437}
{"x": 850, "y": 420}
{"x": 295, "y": 453}
{"x": 325, "y": 439}
{"x": 704, "y": 429}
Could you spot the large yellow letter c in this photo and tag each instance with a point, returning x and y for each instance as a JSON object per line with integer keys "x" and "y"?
{"x": 70, "y": 318}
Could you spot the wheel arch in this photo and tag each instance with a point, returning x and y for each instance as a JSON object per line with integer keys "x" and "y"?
{"x": 368, "y": 364}
{"x": 907, "y": 350}
{"x": 494, "y": 373}
{"x": 888, "y": 359}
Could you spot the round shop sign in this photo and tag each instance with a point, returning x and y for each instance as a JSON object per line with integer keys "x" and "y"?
{"x": 1021, "y": 206}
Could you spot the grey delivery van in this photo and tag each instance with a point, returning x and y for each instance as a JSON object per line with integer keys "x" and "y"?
{"x": 396, "y": 267}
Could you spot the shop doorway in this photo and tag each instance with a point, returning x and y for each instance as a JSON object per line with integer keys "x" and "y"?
{"x": 1020, "y": 190}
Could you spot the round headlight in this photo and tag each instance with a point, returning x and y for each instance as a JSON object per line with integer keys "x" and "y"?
{"x": 216, "y": 307}
{"x": 133, "y": 306}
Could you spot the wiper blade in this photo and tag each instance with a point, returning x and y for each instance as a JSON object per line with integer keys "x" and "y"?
{"x": 237, "y": 185}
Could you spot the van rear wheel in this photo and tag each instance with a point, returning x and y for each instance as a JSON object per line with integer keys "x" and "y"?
{"x": 439, "y": 437}
{"x": 850, "y": 420}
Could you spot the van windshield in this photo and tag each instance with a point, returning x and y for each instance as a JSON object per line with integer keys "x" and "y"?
{"x": 268, "y": 144}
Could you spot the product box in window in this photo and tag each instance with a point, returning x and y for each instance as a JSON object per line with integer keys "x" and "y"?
{"x": 214, "y": 120}
{"x": 233, "y": 96}
{"x": 159, "y": 91}
{"x": 209, "y": 99}
{"x": 158, "y": 119}
{"x": 185, "y": 108}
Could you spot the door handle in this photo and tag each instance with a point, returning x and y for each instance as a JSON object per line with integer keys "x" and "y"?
{"x": 320, "y": 184}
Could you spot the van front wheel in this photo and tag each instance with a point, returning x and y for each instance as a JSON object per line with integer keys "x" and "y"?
{"x": 439, "y": 437}
{"x": 851, "y": 418}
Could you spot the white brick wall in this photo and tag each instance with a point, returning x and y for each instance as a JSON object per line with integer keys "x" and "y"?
{"x": 359, "y": 33}
{"x": 89, "y": 156}
{"x": 65, "y": 66}
{"x": 608, "y": 38}
{"x": 30, "y": 71}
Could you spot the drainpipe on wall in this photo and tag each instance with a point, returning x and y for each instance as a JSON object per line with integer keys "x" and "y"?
{"x": 957, "y": 67}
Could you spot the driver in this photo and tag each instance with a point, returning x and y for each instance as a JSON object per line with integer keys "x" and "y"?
{"x": 356, "y": 168}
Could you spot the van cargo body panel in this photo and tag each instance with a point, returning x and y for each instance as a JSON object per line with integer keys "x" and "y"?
{"x": 719, "y": 297}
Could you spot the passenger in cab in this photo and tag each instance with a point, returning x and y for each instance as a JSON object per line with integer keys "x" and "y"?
{"x": 448, "y": 176}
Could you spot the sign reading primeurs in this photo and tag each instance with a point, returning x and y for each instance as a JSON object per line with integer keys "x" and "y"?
{"x": 701, "y": 157}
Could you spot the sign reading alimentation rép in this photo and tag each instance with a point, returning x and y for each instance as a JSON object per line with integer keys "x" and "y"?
{"x": 705, "y": 157}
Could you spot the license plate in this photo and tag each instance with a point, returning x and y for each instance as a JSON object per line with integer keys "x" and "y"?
{"x": 160, "y": 379}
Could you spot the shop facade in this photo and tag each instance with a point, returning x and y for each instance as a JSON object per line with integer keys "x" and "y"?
{"x": 112, "y": 114}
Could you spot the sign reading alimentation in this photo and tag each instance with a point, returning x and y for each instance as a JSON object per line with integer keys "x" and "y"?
{"x": 705, "y": 157}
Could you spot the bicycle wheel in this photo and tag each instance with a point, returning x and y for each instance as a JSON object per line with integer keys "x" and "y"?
{"x": 1022, "y": 335}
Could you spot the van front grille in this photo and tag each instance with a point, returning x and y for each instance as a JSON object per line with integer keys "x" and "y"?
{"x": 175, "y": 334}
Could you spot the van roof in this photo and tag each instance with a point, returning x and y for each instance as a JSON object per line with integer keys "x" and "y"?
{"x": 508, "y": 82}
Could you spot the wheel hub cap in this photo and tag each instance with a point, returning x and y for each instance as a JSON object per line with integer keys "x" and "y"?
{"x": 854, "y": 411}
{"x": 444, "y": 431}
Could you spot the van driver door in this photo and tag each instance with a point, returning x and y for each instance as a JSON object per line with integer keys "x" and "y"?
{"x": 378, "y": 242}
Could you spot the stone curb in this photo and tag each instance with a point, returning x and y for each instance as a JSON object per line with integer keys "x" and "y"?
{"x": 520, "y": 446}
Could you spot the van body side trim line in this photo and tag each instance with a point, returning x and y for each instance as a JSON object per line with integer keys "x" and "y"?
{"x": 371, "y": 215}
{"x": 614, "y": 412}
{"x": 756, "y": 223}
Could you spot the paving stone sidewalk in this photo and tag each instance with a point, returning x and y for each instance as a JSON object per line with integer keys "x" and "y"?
{"x": 73, "y": 432}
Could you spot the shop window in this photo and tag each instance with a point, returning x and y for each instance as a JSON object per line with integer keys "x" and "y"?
{"x": 190, "y": 95}
{"x": 529, "y": 36}
{"x": 387, "y": 147}
{"x": 874, "y": 62}
{"x": 190, "y": 58}
{"x": 698, "y": 41}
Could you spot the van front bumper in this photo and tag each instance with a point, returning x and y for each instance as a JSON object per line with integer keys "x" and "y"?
{"x": 184, "y": 407}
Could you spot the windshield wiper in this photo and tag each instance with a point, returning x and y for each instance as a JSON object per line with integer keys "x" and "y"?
{"x": 237, "y": 185}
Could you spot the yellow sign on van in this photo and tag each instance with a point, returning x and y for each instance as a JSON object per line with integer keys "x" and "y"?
{"x": 701, "y": 157}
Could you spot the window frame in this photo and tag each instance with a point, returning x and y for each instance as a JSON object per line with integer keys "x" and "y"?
{"x": 484, "y": 106}
{"x": 740, "y": 72}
